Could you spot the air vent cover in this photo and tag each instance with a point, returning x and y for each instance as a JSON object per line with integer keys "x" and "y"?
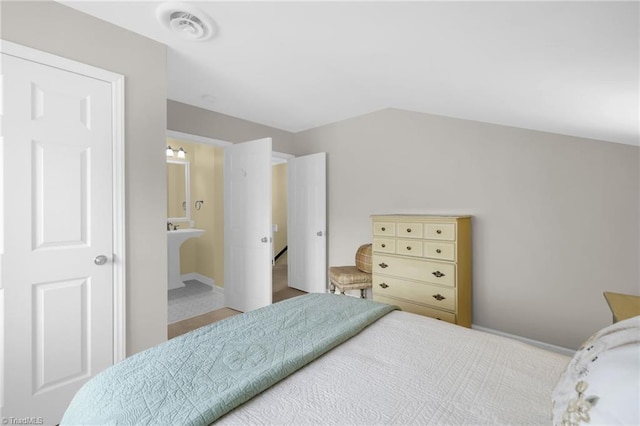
{"x": 186, "y": 21}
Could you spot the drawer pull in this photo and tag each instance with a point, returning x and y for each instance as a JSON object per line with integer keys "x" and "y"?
{"x": 439, "y": 231}
{"x": 439, "y": 296}
{"x": 437, "y": 274}
{"x": 384, "y": 285}
{"x": 383, "y": 265}
{"x": 438, "y": 251}
{"x": 408, "y": 248}
{"x": 383, "y": 228}
{"x": 408, "y": 229}
{"x": 383, "y": 245}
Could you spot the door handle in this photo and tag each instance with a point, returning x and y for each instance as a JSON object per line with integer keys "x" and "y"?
{"x": 319, "y": 233}
{"x": 265, "y": 240}
{"x": 100, "y": 260}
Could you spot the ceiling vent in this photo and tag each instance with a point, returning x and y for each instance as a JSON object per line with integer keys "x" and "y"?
{"x": 186, "y": 21}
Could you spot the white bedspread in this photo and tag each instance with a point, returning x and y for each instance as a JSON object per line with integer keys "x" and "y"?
{"x": 409, "y": 369}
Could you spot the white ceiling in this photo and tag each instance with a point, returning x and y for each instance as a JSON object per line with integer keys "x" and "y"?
{"x": 563, "y": 67}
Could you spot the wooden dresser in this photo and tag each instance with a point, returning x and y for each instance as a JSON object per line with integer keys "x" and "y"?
{"x": 423, "y": 265}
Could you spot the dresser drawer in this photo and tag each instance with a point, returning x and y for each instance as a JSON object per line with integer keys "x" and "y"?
{"x": 444, "y": 251}
{"x": 384, "y": 228}
{"x": 409, "y": 247}
{"x": 427, "y": 294}
{"x": 440, "y": 231}
{"x": 415, "y": 269}
{"x": 384, "y": 245}
{"x": 418, "y": 309}
{"x": 410, "y": 230}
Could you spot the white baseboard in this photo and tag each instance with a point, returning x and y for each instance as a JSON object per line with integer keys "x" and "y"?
{"x": 203, "y": 279}
{"x": 547, "y": 346}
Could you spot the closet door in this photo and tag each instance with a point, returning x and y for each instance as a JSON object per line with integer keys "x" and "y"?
{"x": 57, "y": 264}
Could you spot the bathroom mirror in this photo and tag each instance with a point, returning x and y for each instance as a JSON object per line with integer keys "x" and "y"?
{"x": 178, "y": 200}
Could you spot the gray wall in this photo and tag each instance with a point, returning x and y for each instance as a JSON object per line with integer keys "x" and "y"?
{"x": 60, "y": 30}
{"x": 555, "y": 218}
{"x": 197, "y": 121}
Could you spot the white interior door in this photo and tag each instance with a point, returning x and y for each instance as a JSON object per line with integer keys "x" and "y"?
{"x": 306, "y": 223}
{"x": 57, "y": 273}
{"x": 247, "y": 225}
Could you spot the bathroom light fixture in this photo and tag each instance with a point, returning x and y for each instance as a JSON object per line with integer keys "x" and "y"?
{"x": 185, "y": 20}
{"x": 181, "y": 153}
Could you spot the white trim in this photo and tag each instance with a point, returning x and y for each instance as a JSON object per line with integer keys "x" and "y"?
{"x": 196, "y": 138}
{"x": 119, "y": 223}
{"x": 2, "y": 309}
{"x": 537, "y": 343}
{"x": 30, "y": 54}
{"x": 276, "y": 157}
{"x": 119, "y": 209}
{"x": 203, "y": 279}
{"x": 280, "y": 157}
{"x": 2, "y": 354}
{"x": 1, "y": 179}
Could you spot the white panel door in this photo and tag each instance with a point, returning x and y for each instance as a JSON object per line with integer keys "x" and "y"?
{"x": 57, "y": 129}
{"x": 306, "y": 223}
{"x": 247, "y": 225}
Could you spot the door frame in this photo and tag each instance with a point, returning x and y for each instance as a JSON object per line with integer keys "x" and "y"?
{"x": 118, "y": 179}
{"x": 276, "y": 157}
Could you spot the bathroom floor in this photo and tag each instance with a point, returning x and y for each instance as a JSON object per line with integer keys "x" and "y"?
{"x": 197, "y": 304}
{"x": 194, "y": 299}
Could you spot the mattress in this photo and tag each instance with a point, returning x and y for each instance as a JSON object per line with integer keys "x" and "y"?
{"x": 410, "y": 369}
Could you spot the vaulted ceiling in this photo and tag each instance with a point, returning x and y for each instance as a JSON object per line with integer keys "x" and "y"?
{"x": 564, "y": 67}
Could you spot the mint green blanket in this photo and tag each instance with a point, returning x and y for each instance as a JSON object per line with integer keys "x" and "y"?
{"x": 198, "y": 377}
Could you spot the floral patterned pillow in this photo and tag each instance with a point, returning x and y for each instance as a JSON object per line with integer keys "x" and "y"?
{"x": 601, "y": 385}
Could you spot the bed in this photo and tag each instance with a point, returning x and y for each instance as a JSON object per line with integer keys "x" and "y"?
{"x": 354, "y": 362}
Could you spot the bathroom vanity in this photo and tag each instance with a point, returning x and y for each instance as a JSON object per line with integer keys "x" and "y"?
{"x": 175, "y": 238}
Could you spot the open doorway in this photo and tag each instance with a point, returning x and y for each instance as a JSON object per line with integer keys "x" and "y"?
{"x": 279, "y": 278}
{"x": 202, "y": 258}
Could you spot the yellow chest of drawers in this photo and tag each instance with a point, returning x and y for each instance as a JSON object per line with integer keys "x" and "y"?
{"x": 423, "y": 265}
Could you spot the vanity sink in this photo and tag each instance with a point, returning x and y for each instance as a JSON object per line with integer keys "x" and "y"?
{"x": 180, "y": 235}
{"x": 175, "y": 238}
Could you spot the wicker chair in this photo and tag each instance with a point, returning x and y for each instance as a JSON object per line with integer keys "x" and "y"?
{"x": 353, "y": 277}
